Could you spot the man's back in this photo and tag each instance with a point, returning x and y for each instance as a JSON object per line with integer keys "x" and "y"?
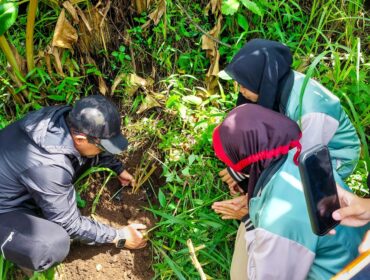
{"x": 40, "y": 158}
{"x": 39, "y": 139}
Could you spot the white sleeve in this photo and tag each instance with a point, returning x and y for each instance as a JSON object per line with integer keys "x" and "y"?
{"x": 317, "y": 128}
{"x": 271, "y": 256}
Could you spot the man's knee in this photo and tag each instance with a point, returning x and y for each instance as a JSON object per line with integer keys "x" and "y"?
{"x": 40, "y": 252}
{"x": 59, "y": 246}
{"x": 55, "y": 250}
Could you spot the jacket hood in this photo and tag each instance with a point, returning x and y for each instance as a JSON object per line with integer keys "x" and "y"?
{"x": 48, "y": 129}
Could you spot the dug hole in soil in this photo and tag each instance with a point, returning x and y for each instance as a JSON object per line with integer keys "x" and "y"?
{"x": 106, "y": 261}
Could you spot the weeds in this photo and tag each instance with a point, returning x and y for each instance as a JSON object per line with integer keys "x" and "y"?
{"x": 329, "y": 41}
{"x": 142, "y": 174}
{"x": 191, "y": 187}
{"x": 5, "y": 267}
{"x": 87, "y": 184}
{"x": 319, "y": 41}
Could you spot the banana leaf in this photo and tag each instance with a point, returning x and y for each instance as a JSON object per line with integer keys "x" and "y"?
{"x": 8, "y": 15}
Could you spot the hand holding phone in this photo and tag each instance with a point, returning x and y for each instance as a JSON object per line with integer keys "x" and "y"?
{"x": 319, "y": 188}
{"x": 354, "y": 211}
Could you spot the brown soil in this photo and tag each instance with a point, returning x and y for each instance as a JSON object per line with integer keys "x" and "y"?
{"x": 107, "y": 262}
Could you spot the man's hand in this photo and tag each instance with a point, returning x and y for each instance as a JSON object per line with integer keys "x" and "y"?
{"x": 354, "y": 211}
{"x": 232, "y": 184}
{"x": 235, "y": 208}
{"x": 134, "y": 238}
{"x": 126, "y": 179}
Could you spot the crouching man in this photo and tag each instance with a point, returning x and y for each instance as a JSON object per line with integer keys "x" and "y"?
{"x": 41, "y": 156}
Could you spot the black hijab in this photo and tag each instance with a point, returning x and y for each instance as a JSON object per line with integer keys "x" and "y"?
{"x": 251, "y": 137}
{"x": 262, "y": 66}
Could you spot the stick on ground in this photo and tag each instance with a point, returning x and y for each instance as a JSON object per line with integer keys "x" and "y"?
{"x": 194, "y": 259}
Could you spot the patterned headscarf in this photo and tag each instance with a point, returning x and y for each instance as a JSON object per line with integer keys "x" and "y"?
{"x": 251, "y": 137}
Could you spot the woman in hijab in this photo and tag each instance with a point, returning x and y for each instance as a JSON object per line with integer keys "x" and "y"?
{"x": 264, "y": 145}
{"x": 262, "y": 68}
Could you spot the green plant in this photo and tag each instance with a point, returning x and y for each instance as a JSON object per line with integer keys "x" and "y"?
{"x": 87, "y": 184}
{"x": 323, "y": 37}
{"x": 230, "y": 7}
{"x": 120, "y": 58}
{"x": 328, "y": 40}
{"x": 143, "y": 173}
{"x": 46, "y": 275}
{"x": 8, "y": 15}
{"x": 29, "y": 34}
{"x": 184, "y": 202}
{"x": 5, "y": 268}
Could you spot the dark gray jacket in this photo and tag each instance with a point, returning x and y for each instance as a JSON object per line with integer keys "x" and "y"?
{"x": 38, "y": 165}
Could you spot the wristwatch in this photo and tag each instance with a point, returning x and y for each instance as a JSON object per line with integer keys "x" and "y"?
{"x": 121, "y": 239}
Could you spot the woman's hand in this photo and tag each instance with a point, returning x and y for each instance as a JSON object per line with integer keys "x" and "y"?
{"x": 354, "y": 211}
{"x": 235, "y": 208}
{"x": 232, "y": 184}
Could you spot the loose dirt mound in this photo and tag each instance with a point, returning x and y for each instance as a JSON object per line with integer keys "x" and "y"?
{"x": 107, "y": 262}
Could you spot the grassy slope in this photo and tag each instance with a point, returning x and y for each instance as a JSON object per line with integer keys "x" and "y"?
{"x": 183, "y": 127}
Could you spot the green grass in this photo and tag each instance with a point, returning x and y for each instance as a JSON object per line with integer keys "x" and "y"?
{"x": 327, "y": 49}
{"x": 7, "y": 272}
{"x": 329, "y": 41}
{"x": 5, "y": 268}
{"x": 83, "y": 183}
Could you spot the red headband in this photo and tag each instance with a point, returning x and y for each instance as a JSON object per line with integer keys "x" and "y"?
{"x": 240, "y": 165}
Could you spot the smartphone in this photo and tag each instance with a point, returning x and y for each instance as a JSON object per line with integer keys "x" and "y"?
{"x": 319, "y": 188}
{"x": 358, "y": 269}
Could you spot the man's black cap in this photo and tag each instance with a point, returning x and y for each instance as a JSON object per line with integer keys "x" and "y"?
{"x": 98, "y": 117}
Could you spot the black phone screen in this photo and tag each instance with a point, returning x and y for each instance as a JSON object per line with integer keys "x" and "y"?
{"x": 323, "y": 192}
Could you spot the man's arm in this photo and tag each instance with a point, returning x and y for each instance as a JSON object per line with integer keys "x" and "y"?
{"x": 53, "y": 192}
{"x": 110, "y": 161}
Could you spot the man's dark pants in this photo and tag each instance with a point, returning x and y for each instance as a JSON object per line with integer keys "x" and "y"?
{"x": 32, "y": 242}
